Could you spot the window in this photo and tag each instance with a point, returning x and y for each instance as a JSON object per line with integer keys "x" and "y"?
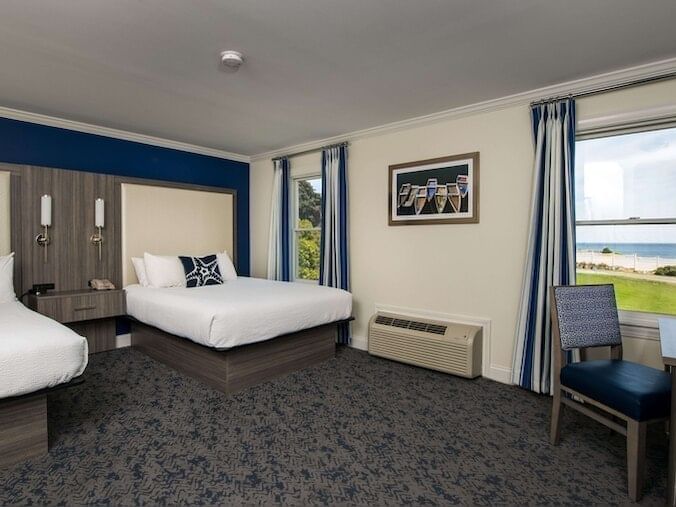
{"x": 307, "y": 227}
{"x": 625, "y": 203}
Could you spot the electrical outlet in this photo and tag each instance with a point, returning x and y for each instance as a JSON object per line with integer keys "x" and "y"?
{"x": 41, "y": 288}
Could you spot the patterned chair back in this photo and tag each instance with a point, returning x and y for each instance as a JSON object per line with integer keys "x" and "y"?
{"x": 587, "y": 316}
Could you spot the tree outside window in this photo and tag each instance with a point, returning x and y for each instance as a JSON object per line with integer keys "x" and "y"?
{"x": 307, "y": 233}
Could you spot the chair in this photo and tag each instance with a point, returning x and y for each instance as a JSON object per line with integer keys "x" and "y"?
{"x": 585, "y": 316}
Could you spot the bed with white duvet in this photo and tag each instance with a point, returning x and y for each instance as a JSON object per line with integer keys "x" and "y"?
{"x": 238, "y": 312}
{"x": 36, "y": 352}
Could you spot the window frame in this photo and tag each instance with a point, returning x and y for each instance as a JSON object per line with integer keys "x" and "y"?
{"x": 295, "y": 230}
{"x": 637, "y": 320}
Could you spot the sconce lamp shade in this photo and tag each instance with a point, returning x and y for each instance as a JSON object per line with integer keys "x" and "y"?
{"x": 46, "y": 211}
{"x": 100, "y": 214}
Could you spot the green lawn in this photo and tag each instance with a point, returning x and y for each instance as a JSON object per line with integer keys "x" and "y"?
{"x": 636, "y": 294}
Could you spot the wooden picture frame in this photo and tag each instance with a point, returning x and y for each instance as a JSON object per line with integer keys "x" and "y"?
{"x": 442, "y": 190}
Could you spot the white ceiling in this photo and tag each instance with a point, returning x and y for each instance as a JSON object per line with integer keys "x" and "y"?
{"x": 314, "y": 69}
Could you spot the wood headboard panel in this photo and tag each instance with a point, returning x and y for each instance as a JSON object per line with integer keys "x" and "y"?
{"x": 72, "y": 260}
{"x": 170, "y": 220}
{"x": 5, "y": 236}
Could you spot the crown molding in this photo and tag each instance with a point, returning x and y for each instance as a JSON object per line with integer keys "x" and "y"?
{"x": 578, "y": 86}
{"x": 88, "y": 128}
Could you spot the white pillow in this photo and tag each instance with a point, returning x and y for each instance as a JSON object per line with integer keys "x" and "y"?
{"x": 164, "y": 271}
{"x": 7, "y": 278}
{"x": 140, "y": 268}
{"x": 226, "y": 267}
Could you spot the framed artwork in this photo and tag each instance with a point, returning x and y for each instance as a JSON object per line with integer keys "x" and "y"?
{"x": 436, "y": 191}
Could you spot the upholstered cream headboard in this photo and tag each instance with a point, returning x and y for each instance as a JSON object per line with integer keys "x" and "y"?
{"x": 174, "y": 221}
{"x": 5, "y": 237}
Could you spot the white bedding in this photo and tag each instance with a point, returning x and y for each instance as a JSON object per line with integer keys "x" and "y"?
{"x": 36, "y": 352}
{"x": 238, "y": 312}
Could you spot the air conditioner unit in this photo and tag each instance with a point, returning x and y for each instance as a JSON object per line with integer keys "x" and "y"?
{"x": 438, "y": 345}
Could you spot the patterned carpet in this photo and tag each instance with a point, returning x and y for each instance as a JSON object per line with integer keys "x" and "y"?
{"x": 355, "y": 430}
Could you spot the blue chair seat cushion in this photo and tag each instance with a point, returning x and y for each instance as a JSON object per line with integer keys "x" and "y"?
{"x": 637, "y": 391}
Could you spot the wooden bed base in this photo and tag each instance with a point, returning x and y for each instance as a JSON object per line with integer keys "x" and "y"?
{"x": 23, "y": 428}
{"x": 234, "y": 369}
{"x": 23, "y": 425}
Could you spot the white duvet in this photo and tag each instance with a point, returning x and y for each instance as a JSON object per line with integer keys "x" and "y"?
{"x": 238, "y": 312}
{"x": 36, "y": 352}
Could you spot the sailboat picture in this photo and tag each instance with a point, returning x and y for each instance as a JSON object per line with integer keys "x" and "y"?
{"x": 440, "y": 198}
{"x": 461, "y": 182}
{"x": 411, "y": 196}
{"x": 420, "y": 199}
{"x": 404, "y": 193}
{"x": 435, "y": 191}
{"x": 431, "y": 188}
{"x": 454, "y": 197}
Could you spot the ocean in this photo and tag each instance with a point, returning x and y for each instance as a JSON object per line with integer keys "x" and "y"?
{"x": 667, "y": 250}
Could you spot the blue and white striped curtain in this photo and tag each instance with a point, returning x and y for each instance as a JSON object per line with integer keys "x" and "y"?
{"x": 279, "y": 251}
{"x": 334, "y": 266}
{"x": 551, "y": 241}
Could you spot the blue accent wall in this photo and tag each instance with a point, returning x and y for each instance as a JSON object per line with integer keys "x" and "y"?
{"x": 33, "y": 144}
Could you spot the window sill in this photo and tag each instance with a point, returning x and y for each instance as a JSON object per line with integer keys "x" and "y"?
{"x": 302, "y": 280}
{"x": 641, "y": 325}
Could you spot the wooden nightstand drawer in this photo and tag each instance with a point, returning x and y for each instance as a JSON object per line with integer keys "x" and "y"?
{"x": 77, "y": 306}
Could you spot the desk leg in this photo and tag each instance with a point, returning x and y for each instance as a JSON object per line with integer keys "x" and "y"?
{"x": 671, "y": 491}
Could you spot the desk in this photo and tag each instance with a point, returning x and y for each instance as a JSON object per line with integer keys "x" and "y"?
{"x": 668, "y": 346}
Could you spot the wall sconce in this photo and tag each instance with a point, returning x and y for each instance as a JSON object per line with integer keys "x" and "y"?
{"x": 99, "y": 222}
{"x": 43, "y": 238}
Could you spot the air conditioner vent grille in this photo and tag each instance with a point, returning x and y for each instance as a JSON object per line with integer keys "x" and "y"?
{"x": 385, "y": 321}
{"x": 417, "y": 326}
{"x": 436, "y": 329}
{"x": 413, "y": 325}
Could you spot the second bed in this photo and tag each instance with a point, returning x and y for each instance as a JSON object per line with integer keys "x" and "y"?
{"x": 238, "y": 312}
{"x": 240, "y": 333}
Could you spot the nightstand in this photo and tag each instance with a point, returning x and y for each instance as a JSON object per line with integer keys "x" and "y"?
{"x": 90, "y": 313}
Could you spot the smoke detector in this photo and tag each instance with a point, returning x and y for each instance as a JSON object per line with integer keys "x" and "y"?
{"x": 231, "y": 60}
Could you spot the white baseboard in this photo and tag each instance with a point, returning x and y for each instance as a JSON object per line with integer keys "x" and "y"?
{"x": 500, "y": 374}
{"x": 360, "y": 342}
{"x": 123, "y": 340}
{"x": 494, "y": 372}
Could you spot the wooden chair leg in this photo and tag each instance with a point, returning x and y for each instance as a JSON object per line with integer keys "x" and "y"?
{"x": 557, "y": 409}
{"x": 667, "y": 425}
{"x": 636, "y": 432}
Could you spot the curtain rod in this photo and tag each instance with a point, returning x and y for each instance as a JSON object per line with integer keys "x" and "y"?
{"x": 609, "y": 88}
{"x": 298, "y": 153}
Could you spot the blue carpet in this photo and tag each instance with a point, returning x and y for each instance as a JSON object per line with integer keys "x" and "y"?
{"x": 354, "y": 430}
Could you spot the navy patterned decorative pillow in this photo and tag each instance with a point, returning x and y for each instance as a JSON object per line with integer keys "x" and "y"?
{"x": 200, "y": 271}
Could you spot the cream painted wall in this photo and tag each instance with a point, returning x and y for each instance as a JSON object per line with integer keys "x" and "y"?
{"x": 470, "y": 270}
{"x": 4, "y": 214}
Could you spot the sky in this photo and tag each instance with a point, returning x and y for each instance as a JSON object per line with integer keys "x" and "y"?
{"x": 631, "y": 175}
{"x": 316, "y": 185}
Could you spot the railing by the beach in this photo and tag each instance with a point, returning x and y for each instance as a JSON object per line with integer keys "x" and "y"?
{"x": 633, "y": 262}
